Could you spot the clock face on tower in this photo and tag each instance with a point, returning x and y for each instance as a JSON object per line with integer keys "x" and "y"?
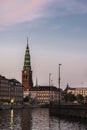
{"x": 25, "y": 72}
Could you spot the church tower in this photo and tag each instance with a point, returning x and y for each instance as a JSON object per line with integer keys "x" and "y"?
{"x": 27, "y": 72}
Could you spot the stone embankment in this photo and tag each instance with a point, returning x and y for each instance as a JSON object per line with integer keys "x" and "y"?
{"x": 69, "y": 110}
{"x": 13, "y": 106}
{"x": 20, "y": 106}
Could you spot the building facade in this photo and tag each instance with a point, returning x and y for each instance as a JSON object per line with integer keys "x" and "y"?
{"x": 4, "y": 89}
{"x": 11, "y": 90}
{"x": 27, "y": 72}
{"x": 76, "y": 91}
{"x": 44, "y": 94}
{"x": 16, "y": 91}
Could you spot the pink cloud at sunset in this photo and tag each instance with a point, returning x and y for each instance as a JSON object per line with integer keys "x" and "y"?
{"x": 13, "y": 11}
{"x": 16, "y": 11}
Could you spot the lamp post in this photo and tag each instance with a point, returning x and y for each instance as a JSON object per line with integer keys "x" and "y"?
{"x": 49, "y": 79}
{"x": 51, "y": 82}
{"x": 59, "y": 83}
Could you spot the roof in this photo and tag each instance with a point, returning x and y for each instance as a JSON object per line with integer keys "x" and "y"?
{"x": 27, "y": 62}
{"x": 76, "y": 88}
{"x": 44, "y": 88}
{"x": 2, "y": 77}
{"x": 15, "y": 82}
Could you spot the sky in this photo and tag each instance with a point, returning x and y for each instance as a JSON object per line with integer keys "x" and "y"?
{"x": 57, "y": 33}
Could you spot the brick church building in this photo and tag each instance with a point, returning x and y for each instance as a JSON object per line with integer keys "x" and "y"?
{"x": 27, "y": 71}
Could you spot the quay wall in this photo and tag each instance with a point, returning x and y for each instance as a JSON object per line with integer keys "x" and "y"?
{"x": 79, "y": 111}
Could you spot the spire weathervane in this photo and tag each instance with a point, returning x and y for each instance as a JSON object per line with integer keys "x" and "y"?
{"x": 27, "y": 40}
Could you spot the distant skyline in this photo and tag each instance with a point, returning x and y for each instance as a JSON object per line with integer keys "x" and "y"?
{"x": 57, "y": 33}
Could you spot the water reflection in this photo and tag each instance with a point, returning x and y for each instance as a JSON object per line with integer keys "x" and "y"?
{"x": 55, "y": 124}
{"x": 11, "y": 121}
{"x": 67, "y": 124}
{"x": 40, "y": 119}
{"x": 26, "y": 119}
{"x": 37, "y": 119}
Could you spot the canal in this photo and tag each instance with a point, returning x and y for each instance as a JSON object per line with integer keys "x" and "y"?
{"x": 37, "y": 119}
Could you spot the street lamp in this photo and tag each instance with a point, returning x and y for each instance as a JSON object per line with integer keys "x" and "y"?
{"x": 59, "y": 88}
{"x": 59, "y": 75}
{"x": 51, "y": 82}
{"x": 59, "y": 83}
{"x": 49, "y": 79}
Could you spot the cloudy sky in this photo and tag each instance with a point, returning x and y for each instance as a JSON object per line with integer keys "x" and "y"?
{"x": 57, "y": 32}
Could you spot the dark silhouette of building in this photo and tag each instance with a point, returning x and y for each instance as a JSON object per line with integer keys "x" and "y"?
{"x": 27, "y": 72}
{"x": 11, "y": 90}
{"x": 16, "y": 91}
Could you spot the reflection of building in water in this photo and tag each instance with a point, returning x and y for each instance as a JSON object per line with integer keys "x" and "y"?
{"x": 40, "y": 119}
{"x": 55, "y": 123}
{"x": 26, "y": 119}
{"x": 11, "y": 121}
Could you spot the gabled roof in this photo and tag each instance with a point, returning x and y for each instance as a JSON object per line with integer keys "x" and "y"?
{"x": 44, "y": 88}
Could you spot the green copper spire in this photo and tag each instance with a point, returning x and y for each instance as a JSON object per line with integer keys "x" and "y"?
{"x": 27, "y": 63}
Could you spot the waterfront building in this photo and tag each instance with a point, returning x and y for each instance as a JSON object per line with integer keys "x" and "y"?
{"x": 44, "y": 94}
{"x": 16, "y": 91}
{"x": 11, "y": 90}
{"x": 4, "y": 89}
{"x": 76, "y": 91}
{"x": 27, "y": 72}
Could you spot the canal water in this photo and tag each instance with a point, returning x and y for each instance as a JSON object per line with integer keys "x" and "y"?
{"x": 37, "y": 119}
